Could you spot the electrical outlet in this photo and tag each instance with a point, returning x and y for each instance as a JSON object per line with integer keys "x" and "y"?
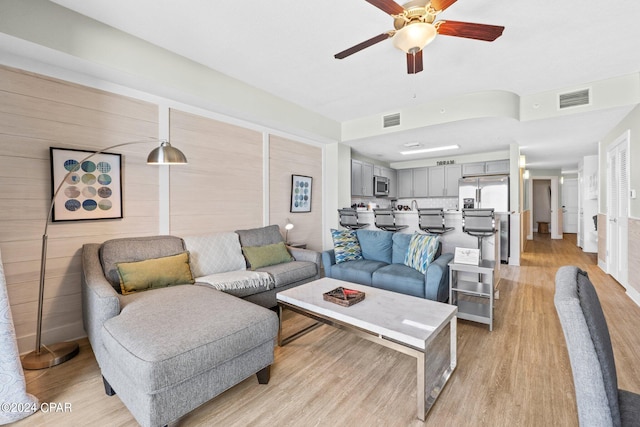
{"x": 633, "y": 194}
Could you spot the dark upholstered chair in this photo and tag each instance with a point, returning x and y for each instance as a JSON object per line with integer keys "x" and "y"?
{"x": 385, "y": 219}
{"x": 432, "y": 221}
{"x": 600, "y": 402}
{"x": 349, "y": 219}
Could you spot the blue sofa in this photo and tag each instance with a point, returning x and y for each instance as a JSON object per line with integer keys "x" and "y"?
{"x": 383, "y": 266}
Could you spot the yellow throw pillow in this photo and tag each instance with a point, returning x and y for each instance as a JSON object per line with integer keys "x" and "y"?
{"x": 154, "y": 273}
{"x": 263, "y": 256}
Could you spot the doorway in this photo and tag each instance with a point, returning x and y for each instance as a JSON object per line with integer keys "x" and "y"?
{"x": 570, "y": 205}
{"x": 546, "y": 200}
{"x": 541, "y": 205}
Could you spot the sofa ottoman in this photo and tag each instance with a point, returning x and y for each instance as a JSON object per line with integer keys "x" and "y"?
{"x": 174, "y": 348}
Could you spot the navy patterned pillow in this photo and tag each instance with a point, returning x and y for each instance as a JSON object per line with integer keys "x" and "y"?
{"x": 346, "y": 246}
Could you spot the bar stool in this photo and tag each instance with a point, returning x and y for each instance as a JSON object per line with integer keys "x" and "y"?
{"x": 386, "y": 220}
{"x": 431, "y": 220}
{"x": 480, "y": 223}
{"x": 349, "y": 219}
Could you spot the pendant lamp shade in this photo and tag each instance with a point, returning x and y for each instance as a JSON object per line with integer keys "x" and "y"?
{"x": 165, "y": 154}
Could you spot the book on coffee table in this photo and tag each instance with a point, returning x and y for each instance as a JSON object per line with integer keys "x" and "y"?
{"x": 343, "y": 296}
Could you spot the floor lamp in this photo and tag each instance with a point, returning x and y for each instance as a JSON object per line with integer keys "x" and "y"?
{"x": 46, "y": 356}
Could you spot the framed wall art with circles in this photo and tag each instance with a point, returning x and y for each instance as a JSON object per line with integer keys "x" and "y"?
{"x": 89, "y": 186}
{"x": 301, "y": 193}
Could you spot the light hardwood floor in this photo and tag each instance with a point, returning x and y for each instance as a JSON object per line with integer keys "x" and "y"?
{"x": 517, "y": 375}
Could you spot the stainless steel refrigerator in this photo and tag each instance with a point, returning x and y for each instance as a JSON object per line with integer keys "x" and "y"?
{"x": 488, "y": 192}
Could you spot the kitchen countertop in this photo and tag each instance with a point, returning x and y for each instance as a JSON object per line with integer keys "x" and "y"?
{"x": 446, "y": 212}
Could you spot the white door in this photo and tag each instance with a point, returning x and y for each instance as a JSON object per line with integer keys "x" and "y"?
{"x": 580, "y": 240}
{"x": 570, "y": 205}
{"x": 618, "y": 209}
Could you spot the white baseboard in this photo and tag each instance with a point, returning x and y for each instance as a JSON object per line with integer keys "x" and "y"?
{"x": 634, "y": 295}
{"x": 603, "y": 265}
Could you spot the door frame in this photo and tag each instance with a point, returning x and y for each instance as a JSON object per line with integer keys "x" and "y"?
{"x": 621, "y": 275}
{"x": 555, "y": 233}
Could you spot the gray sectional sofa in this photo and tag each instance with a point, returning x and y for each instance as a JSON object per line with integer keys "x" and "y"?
{"x": 383, "y": 266}
{"x": 165, "y": 350}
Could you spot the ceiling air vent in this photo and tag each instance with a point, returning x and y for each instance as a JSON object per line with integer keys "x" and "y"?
{"x": 574, "y": 99}
{"x": 391, "y": 120}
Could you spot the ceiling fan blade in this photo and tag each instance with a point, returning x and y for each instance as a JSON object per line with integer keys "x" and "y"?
{"x": 363, "y": 45}
{"x": 440, "y": 5}
{"x": 389, "y": 6}
{"x": 414, "y": 62}
{"x": 469, "y": 30}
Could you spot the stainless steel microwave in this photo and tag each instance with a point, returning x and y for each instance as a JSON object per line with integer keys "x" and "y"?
{"x": 380, "y": 186}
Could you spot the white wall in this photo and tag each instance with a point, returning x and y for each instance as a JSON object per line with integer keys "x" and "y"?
{"x": 541, "y": 202}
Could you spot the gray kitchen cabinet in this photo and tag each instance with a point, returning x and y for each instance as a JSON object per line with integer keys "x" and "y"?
{"x": 452, "y": 174}
{"x": 356, "y": 178}
{"x": 405, "y": 183}
{"x": 443, "y": 180}
{"x": 413, "y": 182}
{"x": 367, "y": 179}
{"x": 494, "y": 167}
{"x": 437, "y": 181}
{"x": 420, "y": 182}
{"x": 361, "y": 178}
{"x": 473, "y": 168}
{"x": 497, "y": 167}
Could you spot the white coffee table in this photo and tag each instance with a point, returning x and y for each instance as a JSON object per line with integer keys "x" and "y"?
{"x": 418, "y": 327}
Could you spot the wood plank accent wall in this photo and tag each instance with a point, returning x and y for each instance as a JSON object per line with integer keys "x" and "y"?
{"x": 634, "y": 254}
{"x": 286, "y": 158}
{"x": 37, "y": 112}
{"x": 221, "y": 187}
{"x": 602, "y": 238}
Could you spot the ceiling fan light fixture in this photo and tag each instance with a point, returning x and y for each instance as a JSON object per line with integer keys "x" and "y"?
{"x": 414, "y": 36}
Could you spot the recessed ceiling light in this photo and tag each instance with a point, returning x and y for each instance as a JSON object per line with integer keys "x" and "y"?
{"x": 429, "y": 150}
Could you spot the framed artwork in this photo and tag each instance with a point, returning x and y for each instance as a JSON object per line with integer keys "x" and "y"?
{"x": 301, "y": 193}
{"x": 90, "y": 184}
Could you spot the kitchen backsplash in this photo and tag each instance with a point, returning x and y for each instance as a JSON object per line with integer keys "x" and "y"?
{"x": 447, "y": 203}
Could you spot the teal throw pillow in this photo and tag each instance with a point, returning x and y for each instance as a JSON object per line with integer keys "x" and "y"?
{"x": 346, "y": 245}
{"x": 422, "y": 250}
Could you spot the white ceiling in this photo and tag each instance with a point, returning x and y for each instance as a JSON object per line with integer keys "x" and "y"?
{"x": 286, "y": 47}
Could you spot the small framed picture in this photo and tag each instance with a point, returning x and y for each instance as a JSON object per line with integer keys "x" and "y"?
{"x": 467, "y": 256}
{"x": 301, "y": 193}
{"x": 89, "y": 186}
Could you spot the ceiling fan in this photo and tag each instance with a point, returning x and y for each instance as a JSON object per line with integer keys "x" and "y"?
{"x": 415, "y": 28}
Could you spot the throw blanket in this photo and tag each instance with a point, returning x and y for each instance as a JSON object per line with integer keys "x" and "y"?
{"x": 241, "y": 279}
